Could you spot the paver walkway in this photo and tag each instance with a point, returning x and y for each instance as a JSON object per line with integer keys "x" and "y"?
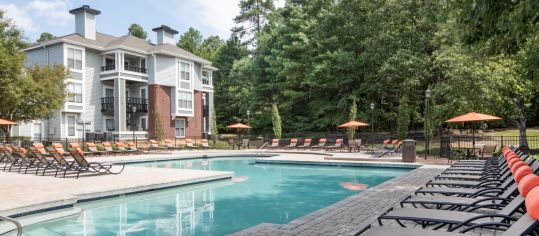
{"x": 348, "y": 216}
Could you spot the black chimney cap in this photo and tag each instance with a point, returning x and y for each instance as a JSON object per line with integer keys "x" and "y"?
{"x": 85, "y": 8}
{"x": 165, "y": 28}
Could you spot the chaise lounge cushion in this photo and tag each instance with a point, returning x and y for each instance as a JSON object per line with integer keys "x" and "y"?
{"x": 527, "y": 184}
{"x": 532, "y": 203}
{"x": 522, "y": 172}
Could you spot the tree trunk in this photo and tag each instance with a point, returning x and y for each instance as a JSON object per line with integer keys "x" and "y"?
{"x": 6, "y": 129}
{"x": 523, "y": 142}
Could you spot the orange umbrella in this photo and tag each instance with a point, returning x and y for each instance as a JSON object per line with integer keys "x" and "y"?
{"x": 353, "y": 124}
{"x": 239, "y": 126}
{"x": 7, "y": 122}
{"x": 471, "y": 117}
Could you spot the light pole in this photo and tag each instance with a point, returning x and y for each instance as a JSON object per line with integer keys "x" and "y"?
{"x": 427, "y": 98}
{"x": 248, "y": 122}
{"x": 133, "y": 125}
{"x": 84, "y": 124}
{"x": 372, "y": 123}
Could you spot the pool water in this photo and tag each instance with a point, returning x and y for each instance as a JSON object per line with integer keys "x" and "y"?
{"x": 259, "y": 193}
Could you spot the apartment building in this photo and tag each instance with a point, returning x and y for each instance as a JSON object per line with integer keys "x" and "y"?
{"x": 120, "y": 86}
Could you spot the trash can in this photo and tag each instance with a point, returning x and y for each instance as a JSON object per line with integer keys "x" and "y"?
{"x": 408, "y": 150}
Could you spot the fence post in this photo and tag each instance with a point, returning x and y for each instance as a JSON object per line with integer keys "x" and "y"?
{"x": 501, "y": 140}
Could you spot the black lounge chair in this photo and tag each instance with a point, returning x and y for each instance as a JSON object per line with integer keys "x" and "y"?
{"x": 93, "y": 167}
{"x": 43, "y": 162}
{"x": 306, "y": 144}
{"x": 62, "y": 165}
{"x": 12, "y": 159}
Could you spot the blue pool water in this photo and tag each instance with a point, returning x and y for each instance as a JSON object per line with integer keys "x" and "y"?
{"x": 258, "y": 193}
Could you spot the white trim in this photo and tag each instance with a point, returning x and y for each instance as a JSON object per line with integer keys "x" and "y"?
{"x": 66, "y": 125}
{"x": 140, "y": 92}
{"x": 105, "y": 118}
{"x": 83, "y": 55}
{"x": 184, "y": 127}
{"x": 146, "y": 123}
{"x": 105, "y": 87}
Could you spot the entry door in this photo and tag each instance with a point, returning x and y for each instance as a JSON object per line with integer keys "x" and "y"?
{"x": 109, "y": 92}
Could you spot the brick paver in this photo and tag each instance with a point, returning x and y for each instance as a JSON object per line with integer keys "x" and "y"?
{"x": 348, "y": 216}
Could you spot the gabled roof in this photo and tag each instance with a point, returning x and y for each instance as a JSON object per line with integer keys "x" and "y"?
{"x": 104, "y": 42}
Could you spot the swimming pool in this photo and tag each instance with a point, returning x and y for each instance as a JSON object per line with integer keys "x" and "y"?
{"x": 259, "y": 193}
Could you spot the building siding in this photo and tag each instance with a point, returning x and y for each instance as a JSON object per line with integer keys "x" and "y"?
{"x": 160, "y": 97}
{"x": 166, "y": 71}
{"x": 93, "y": 91}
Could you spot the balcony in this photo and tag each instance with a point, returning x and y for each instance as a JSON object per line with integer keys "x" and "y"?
{"x": 205, "y": 110}
{"x": 108, "y": 67}
{"x": 135, "y": 69}
{"x": 206, "y": 81}
{"x": 107, "y": 104}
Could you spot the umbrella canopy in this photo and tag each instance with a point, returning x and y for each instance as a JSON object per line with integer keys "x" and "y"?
{"x": 472, "y": 116}
{"x": 239, "y": 126}
{"x": 7, "y": 122}
{"x": 353, "y": 124}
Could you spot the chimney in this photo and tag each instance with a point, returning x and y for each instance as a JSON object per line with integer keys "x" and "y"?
{"x": 85, "y": 21}
{"x": 165, "y": 34}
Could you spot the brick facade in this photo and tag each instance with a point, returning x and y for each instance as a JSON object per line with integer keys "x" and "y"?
{"x": 160, "y": 101}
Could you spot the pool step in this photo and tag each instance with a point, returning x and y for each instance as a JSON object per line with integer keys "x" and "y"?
{"x": 6, "y": 227}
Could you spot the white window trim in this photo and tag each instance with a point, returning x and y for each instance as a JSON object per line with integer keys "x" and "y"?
{"x": 184, "y": 127}
{"x": 178, "y": 85}
{"x": 83, "y": 62}
{"x": 105, "y": 87}
{"x": 66, "y": 122}
{"x": 146, "y": 123}
{"x": 82, "y": 92}
{"x": 105, "y": 118}
{"x": 140, "y": 92}
{"x": 34, "y": 130}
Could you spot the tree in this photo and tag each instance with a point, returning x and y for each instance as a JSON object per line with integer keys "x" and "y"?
{"x": 191, "y": 40}
{"x": 137, "y": 31}
{"x": 276, "y": 120}
{"x": 210, "y": 47}
{"x": 252, "y": 17}
{"x": 27, "y": 94}
{"x": 213, "y": 129}
{"x": 45, "y": 36}
{"x": 403, "y": 118}
{"x": 159, "y": 132}
{"x": 352, "y": 116}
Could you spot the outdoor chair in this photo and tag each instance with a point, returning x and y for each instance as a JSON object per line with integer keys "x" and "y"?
{"x": 60, "y": 149}
{"x": 93, "y": 167}
{"x": 353, "y": 146}
{"x": 338, "y": 145}
{"x": 488, "y": 151}
{"x": 133, "y": 147}
{"x": 189, "y": 144}
{"x": 121, "y": 148}
{"x": 62, "y": 165}
{"x": 169, "y": 145}
{"x": 274, "y": 144}
{"x": 108, "y": 147}
{"x": 293, "y": 144}
{"x": 41, "y": 148}
{"x": 321, "y": 144}
{"x": 77, "y": 147}
{"x": 43, "y": 162}
{"x": 154, "y": 145}
{"x": 306, "y": 144}
{"x": 92, "y": 148}
{"x": 205, "y": 144}
{"x": 245, "y": 143}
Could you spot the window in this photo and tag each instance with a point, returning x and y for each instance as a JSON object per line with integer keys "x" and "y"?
{"x": 144, "y": 123}
{"x": 15, "y": 130}
{"x": 109, "y": 124}
{"x": 71, "y": 126}
{"x": 37, "y": 131}
{"x": 185, "y": 100}
{"x": 75, "y": 92}
{"x": 185, "y": 71}
{"x": 206, "y": 78}
{"x": 180, "y": 128}
{"x": 74, "y": 58}
{"x": 143, "y": 63}
{"x": 143, "y": 93}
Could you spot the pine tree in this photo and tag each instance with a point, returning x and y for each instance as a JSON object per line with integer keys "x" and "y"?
{"x": 254, "y": 14}
{"x": 353, "y": 115}
{"x": 213, "y": 128}
{"x": 191, "y": 40}
{"x": 276, "y": 120}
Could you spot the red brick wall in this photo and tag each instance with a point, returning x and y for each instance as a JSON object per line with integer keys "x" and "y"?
{"x": 194, "y": 124}
{"x": 159, "y": 100}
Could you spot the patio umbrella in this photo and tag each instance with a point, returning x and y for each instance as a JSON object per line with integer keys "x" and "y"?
{"x": 472, "y": 117}
{"x": 238, "y": 126}
{"x": 353, "y": 124}
{"x": 8, "y": 123}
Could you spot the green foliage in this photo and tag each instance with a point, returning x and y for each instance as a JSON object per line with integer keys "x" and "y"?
{"x": 252, "y": 17}
{"x": 191, "y": 40}
{"x": 210, "y": 48}
{"x": 213, "y": 127}
{"x": 276, "y": 121}
{"x": 351, "y": 117}
{"x": 27, "y": 94}
{"x": 159, "y": 131}
{"x": 137, "y": 31}
{"x": 45, "y": 36}
{"x": 403, "y": 119}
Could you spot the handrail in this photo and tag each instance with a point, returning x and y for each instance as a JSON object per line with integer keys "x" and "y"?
{"x": 16, "y": 223}
{"x": 260, "y": 151}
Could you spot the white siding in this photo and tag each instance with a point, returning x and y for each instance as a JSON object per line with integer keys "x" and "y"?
{"x": 50, "y": 55}
{"x": 197, "y": 77}
{"x": 166, "y": 73}
{"x": 93, "y": 91}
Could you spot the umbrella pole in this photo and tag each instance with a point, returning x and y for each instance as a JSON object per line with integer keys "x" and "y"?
{"x": 473, "y": 135}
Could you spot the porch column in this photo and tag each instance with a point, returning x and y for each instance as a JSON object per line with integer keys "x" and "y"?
{"x": 119, "y": 104}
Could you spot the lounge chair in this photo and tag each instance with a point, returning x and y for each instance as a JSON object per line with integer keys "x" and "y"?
{"x": 43, "y": 162}
{"x": 337, "y": 145}
{"x": 108, "y": 148}
{"x": 488, "y": 151}
{"x": 306, "y": 144}
{"x": 154, "y": 145}
{"x": 274, "y": 144}
{"x": 457, "y": 219}
{"x": 10, "y": 159}
{"x": 92, "y": 148}
{"x": 133, "y": 147}
{"x": 205, "y": 144}
{"x": 169, "y": 145}
{"x": 41, "y": 148}
{"x": 60, "y": 149}
{"x": 293, "y": 144}
{"x": 121, "y": 148}
{"x": 93, "y": 167}
{"x": 321, "y": 144}
{"x": 76, "y": 146}
{"x": 189, "y": 144}
{"x": 244, "y": 143}
{"x": 62, "y": 165}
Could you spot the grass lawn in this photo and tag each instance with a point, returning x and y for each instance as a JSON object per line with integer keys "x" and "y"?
{"x": 514, "y": 132}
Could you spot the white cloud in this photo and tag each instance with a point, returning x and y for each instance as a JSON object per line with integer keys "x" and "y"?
{"x": 19, "y": 16}
{"x": 53, "y": 12}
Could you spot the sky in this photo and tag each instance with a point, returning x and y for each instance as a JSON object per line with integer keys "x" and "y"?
{"x": 210, "y": 17}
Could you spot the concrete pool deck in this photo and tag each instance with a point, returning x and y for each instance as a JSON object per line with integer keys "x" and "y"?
{"x": 29, "y": 193}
